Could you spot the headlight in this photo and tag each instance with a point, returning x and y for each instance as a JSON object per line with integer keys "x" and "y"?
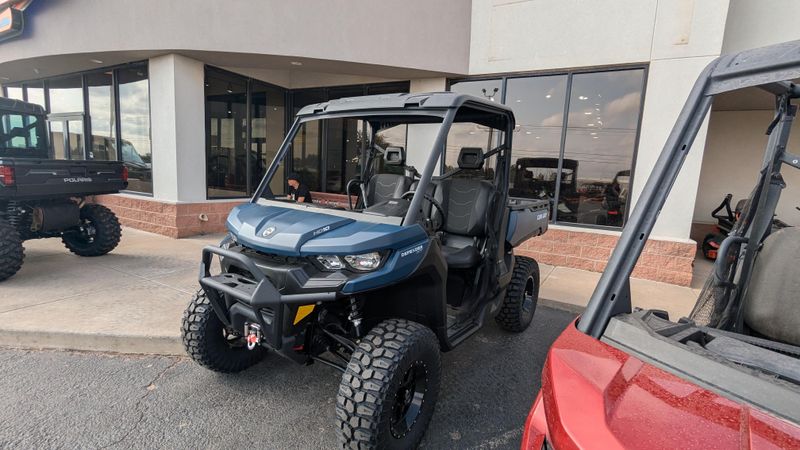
{"x": 365, "y": 262}
{"x": 330, "y": 262}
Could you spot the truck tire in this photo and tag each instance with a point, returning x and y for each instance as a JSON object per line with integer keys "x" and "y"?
{"x": 207, "y": 342}
{"x": 11, "y": 251}
{"x": 388, "y": 393}
{"x": 100, "y": 232}
{"x": 522, "y": 295}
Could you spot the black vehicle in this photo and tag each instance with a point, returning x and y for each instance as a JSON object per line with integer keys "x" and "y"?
{"x": 376, "y": 290}
{"x": 615, "y": 197}
{"x": 536, "y": 178}
{"x": 42, "y": 198}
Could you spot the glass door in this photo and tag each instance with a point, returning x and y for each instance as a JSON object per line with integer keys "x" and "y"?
{"x": 67, "y": 136}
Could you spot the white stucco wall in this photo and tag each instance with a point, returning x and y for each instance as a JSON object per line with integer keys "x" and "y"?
{"x": 756, "y": 23}
{"x": 177, "y": 128}
{"x": 734, "y": 152}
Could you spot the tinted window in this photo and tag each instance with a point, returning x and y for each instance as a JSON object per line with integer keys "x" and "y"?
{"x": 134, "y": 120}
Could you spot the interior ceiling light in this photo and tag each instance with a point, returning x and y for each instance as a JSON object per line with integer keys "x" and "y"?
{"x": 547, "y": 96}
{"x": 296, "y": 63}
{"x": 583, "y": 97}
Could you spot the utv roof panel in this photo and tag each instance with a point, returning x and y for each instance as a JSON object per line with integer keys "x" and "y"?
{"x": 9, "y": 104}
{"x": 413, "y": 101}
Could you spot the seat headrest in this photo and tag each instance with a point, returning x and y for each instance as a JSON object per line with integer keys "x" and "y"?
{"x": 394, "y": 156}
{"x": 470, "y": 158}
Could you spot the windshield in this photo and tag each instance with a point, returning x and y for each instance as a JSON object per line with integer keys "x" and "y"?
{"x": 22, "y": 135}
{"x": 362, "y": 164}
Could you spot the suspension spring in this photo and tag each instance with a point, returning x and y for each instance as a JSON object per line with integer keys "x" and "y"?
{"x": 12, "y": 213}
{"x": 355, "y": 316}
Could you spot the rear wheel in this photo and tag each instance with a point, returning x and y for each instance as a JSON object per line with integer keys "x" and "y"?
{"x": 98, "y": 234}
{"x": 210, "y": 344}
{"x": 11, "y": 251}
{"x": 387, "y": 395}
{"x": 522, "y": 295}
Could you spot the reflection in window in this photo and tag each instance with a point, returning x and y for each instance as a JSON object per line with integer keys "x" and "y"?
{"x": 35, "y": 93}
{"x": 538, "y": 104}
{"x": 598, "y": 135}
{"x": 134, "y": 119}
{"x": 601, "y": 139}
{"x": 267, "y": 119}
{"x": 101, "y": 115}
{"x": 66, "y": 94}
{"x": 307, "y": 151}
{"x": 226, "y": 109}
{"x": 14, "y": 92}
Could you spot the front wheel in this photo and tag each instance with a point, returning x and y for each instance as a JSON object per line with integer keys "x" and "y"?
{"x": 210, "y": 344}
{"x": 98, "y": 234}
{"x": 11, "y": 251}
{"x": 387, "y": 395}
{"x": 522, "y": 295}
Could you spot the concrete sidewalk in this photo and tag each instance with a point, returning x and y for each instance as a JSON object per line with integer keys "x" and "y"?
{"x": 131, "y": 300}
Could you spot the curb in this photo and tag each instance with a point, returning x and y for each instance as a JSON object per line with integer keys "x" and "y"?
{"x": 148, "y": 345}
{"x": 137, "y": 344}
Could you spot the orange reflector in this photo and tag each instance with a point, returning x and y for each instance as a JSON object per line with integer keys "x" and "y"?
{"x": 302, "y": 312}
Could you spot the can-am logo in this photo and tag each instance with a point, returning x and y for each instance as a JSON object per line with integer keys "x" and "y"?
{"x": 12, "y": 18}
{"x": 77, "y": 180}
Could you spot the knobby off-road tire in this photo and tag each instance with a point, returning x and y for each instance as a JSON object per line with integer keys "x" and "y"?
{"x": 522, "y": 295}
{"x": 207, "y": 342}
{"x": 105, "y": 232}
{"x": 11, "y": 251}
{"x": 388, "y": 393}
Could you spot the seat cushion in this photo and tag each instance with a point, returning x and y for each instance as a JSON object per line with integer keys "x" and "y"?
{"x": 466, "y": 202}
{"x": 386, "y": 186}
{"x": 461, "y": 258}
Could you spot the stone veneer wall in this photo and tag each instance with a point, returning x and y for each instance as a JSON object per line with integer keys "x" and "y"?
{"x": 662, "y": 260}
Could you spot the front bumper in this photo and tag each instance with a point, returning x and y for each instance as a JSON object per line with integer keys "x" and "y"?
{"x": 247, "y": 296}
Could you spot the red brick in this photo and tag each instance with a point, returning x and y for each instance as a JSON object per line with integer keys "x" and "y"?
{"x": 580, "y": 263}
{"x": 596, "y": 253}
{"x": 606, "y": 241}
{"x": 560, "y": 248}
{"x": 582, "y": 238}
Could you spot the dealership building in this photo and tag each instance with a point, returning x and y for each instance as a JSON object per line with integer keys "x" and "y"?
{"x": 197, "y": 95}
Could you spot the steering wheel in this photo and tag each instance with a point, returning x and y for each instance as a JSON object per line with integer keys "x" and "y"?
{"x": 439, "y": 224}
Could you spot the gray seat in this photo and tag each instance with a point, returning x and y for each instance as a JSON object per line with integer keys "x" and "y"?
{"x": 386, "y": 186}
{"x": 466, "y": 204}
{"x": 771, "y": 305}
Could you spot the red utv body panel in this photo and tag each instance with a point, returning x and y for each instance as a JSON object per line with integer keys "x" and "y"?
{"x": 597, "y": 396}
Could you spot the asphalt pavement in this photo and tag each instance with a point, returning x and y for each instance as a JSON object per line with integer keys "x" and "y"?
{"x": 57, "y": 399}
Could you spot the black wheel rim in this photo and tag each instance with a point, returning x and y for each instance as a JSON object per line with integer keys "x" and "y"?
{"x": 409, "y": 399}
{"x": 528, "y": 300}
{"x": 87, "y": 232}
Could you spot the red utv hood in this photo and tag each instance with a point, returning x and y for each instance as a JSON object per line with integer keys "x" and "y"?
{"x": 596, "y": 396}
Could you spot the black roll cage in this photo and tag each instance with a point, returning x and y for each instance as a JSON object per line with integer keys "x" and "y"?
{"x": 442, "y": 108}
{"x": 767, "y": 68}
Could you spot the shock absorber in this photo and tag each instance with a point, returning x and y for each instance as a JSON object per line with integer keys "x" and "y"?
{"x": 12, "y": 213}
{"x": 355, "y": 316}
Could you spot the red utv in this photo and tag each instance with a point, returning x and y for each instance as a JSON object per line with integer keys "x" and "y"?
{"x": 729, "y": 375}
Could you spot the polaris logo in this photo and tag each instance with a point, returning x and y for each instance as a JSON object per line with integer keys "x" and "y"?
{"x": 322, "y": 230}
{"x": 411, "y": 251}
{"x": 77, "y": 180}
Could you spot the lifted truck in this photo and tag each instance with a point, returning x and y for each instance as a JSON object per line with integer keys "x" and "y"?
{"x": 42, "y": 198}
{"x": 415, "y": 266}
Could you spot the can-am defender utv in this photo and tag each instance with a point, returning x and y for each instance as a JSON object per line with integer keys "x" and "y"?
{"x": 413, "y": 263}
{"x": 729, "y": 375}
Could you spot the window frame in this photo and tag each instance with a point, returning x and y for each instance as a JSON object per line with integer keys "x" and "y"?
{"x": 570, "y": 73}
{"x": 44, "y": 83}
